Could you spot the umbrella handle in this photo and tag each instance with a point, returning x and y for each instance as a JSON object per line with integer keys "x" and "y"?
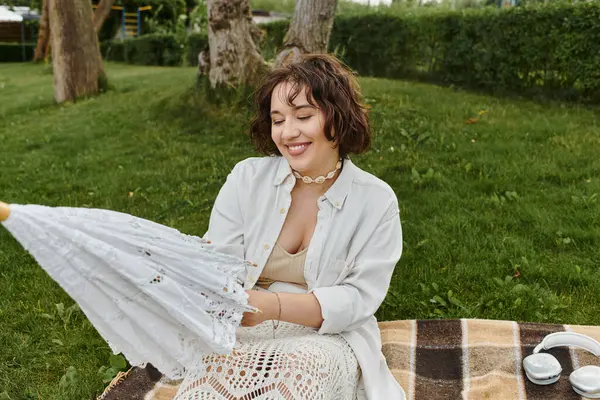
{"x": 4, "y": 211}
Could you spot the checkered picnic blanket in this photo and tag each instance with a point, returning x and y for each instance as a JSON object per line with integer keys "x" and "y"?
{"x": 436, "y": 359}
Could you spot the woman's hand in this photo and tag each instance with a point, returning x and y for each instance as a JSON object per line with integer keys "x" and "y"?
{"x": 266, "y": 302}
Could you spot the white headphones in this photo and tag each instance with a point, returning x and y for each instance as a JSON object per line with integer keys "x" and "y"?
{"x": 544, "y": 368}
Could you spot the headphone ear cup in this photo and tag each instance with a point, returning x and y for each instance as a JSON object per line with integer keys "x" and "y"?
{"x": 586, "y": 381}
{"x": 542, "y": 368}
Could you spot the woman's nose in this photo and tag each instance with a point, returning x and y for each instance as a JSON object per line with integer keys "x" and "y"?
{"x": 289, "y": 130}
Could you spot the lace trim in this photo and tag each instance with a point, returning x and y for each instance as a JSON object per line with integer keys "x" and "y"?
{"x": 298, "y": 364}
{"x": 154, "y": 294}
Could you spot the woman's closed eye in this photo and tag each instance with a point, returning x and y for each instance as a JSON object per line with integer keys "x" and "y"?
{"x": 301, "y": 118}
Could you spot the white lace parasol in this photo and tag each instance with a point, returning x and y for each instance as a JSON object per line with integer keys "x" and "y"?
{"x": 154, "y": 294}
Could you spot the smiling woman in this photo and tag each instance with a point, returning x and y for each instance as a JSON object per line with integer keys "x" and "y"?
{"x": 319, "y": 98}
{"x": 323, "y": 238}
{"x": 297, "y": 131}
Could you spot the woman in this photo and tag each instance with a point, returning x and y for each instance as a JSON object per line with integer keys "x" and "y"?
{"x": 324, "y": 238}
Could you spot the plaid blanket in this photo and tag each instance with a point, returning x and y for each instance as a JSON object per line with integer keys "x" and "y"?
{"x": 435, "y": 359}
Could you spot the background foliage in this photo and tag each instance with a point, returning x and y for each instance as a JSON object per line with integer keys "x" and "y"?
{"x": 551, "y": 50}
{"x": 153, "y": 49}
{"x": 13, "y": 52}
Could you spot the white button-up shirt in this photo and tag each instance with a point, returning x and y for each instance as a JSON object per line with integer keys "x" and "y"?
{"x": 350, "y": 259}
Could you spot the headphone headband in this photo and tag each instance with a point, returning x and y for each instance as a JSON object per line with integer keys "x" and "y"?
{"x": 569, "y": 339}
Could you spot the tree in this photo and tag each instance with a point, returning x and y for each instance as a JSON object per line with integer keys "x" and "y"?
{"x": 309, "y": 30}
{"x": 43, "y": 41}
{"x": 102, "y": 11}
{"x": 233, "y": 56}
{"x": 77, "y": 64}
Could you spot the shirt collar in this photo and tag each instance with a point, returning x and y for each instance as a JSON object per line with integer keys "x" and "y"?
{"x": 336, "y": 194}
{"x": 283, "y": 171}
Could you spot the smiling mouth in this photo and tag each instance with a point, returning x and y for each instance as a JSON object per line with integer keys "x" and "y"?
{"x": 297, "y": 149}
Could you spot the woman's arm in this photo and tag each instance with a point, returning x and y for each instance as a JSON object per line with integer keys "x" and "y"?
{"x": 355, "y": 300}
{"x": 301, "y": 309}
{"x": 226, "y": 224}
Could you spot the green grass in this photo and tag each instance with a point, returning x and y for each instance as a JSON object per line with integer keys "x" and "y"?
{"x": 512, "y": 194}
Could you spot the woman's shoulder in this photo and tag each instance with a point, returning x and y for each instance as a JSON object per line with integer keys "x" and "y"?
{"x": 373, "y": 186}
{"x": 256, "y": 167}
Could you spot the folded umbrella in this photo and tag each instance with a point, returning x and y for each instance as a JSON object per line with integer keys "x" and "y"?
{"x": 153, "y": 293}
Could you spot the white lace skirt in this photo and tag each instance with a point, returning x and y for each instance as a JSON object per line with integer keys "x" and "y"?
{"x": 298, "y": 364}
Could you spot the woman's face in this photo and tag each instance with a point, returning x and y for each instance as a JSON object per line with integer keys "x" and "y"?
{"x": 298, "y": 132}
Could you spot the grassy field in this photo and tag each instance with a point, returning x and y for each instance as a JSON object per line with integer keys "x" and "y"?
{"x": 499, "y": 201}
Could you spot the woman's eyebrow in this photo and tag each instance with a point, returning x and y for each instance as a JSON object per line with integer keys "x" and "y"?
{"x": 299, "y": 107}
{"x": 303, "y": 106}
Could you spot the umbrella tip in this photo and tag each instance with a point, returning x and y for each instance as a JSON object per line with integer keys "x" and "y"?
{"x": 4, "y": 211}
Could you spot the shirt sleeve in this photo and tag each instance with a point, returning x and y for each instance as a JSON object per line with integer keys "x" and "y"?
{"x": 226, "y": 224}
{"x": 350, "y": 304}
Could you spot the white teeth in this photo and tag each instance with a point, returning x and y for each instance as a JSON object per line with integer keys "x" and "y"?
{"x": 298, "y": 147}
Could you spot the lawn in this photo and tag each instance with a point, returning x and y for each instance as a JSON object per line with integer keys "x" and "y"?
{"x": 498, "y": 197}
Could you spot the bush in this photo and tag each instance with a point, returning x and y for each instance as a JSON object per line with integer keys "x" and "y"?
{"x": 274, "y": 35}
{"x": 196, "y": 43}
{"x": 552, "y": 50}
{"x": 113, "y": 50}
{"x": 375, "y": 44}
{"x": 13, "y": 52}
{"x": 153, "y": 49}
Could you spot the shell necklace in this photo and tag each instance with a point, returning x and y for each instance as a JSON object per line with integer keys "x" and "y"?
{"x": 319, "y": 179}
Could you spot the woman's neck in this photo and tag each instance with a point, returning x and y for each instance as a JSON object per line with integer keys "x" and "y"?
{"x": 316, "y": 188}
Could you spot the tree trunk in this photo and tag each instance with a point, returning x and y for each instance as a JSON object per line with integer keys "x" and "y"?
{"x": 101, "y": 13}
{"x": 234, "y": 58}
{"x": 309, "y": 30}
{"x": 43, "y": 40}
{"x": 77, "y": 65}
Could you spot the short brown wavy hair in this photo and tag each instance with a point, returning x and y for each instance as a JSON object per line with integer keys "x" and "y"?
{"x": 333, "y": 87}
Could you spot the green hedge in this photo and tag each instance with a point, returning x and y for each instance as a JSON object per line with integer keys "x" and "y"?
{"x": 113, "y": 50}
{"x": 552, "y": 50}
{"x": 152, "y": 49}
{"x": 275, "y": 33}
{"x": 196, "y": 43}
{"x": 13, "y": 52}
